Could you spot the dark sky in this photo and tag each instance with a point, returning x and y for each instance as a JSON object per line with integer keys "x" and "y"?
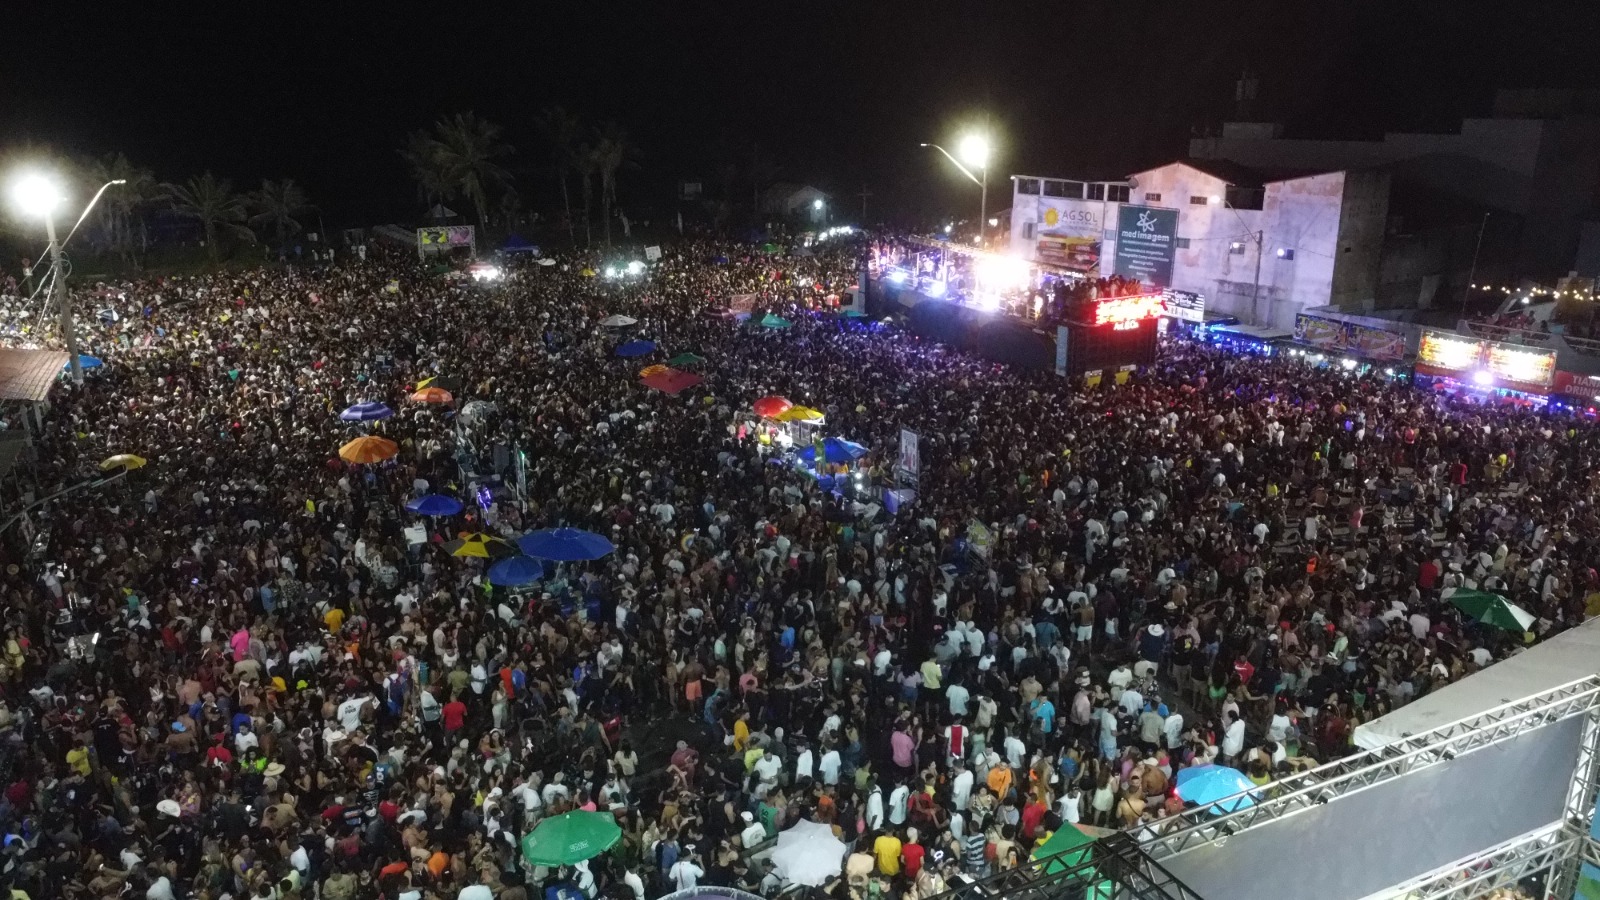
{"x": 839, "y": 93}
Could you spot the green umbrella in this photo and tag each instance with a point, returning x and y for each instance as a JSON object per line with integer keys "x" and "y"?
{"x": 770, "y": 248}
{"x": 773, "y": 320}
{"x": 853, "y": 314}
{"x": 1492, "y": 609}
{"x": 570, "y": 838}
{"x": 685, "y": 359}
{"x": 1069, "y": 848}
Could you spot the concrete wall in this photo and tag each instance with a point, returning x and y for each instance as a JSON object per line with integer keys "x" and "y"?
{"x": 1358, "y": 246}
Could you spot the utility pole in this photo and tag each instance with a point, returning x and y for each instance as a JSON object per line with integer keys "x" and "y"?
{"x": 864, "y": 195}
{"x": 58, "y": 292}
{"x": 1472, "y": 272}
{"x": 1255, "y": 286}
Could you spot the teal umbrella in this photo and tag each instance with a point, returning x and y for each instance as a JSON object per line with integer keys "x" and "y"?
{"x": 1492, "y": 609}
{"x": 773, "y": 320}
{"x": 570, "y": 838}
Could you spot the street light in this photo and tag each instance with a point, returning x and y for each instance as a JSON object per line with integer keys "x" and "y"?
{"x": 975, "y": 150}
{"x": 37, "y": 195}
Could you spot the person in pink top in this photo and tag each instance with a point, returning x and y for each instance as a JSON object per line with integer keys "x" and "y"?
{"x": 240, "y": 642}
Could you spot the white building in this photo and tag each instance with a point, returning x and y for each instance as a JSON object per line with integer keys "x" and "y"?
{"x": 1260, "y": 249}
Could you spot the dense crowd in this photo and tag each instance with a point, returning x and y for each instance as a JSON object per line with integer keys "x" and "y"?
{"x": 239, "y": 672}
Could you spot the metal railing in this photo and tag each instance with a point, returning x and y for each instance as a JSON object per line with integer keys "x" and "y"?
{"x": 1500, "y": 867}
{"x": 1112, "y": 867}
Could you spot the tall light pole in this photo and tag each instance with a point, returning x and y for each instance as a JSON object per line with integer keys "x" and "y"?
{"x": 974, "y": 149}
{"x": 37, "y": 195}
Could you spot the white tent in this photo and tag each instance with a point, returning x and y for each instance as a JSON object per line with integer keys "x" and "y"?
{"x": 1565, "y": 658}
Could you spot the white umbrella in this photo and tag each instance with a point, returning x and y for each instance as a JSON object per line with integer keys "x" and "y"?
{"x": 618, "y": 321}
{"x": 809, "y": 854}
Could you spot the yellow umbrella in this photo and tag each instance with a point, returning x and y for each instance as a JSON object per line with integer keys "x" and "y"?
{"x": 480, "y": 545}
{"x": 367, "y": 449}
{"x": 647, "y": 371}
{"x": 122, "y": 461}
{"x": 799, "y": 414}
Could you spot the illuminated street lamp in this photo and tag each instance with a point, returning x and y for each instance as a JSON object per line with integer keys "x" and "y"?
{"x": 975, "y": 150}
{"x": 37, "y": 195}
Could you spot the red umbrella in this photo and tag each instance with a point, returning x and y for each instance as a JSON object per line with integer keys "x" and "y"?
{"x": 771, "y": 407}
{"x": 671, "y": 381}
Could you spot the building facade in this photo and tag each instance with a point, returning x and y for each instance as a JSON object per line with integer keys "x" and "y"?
{"x": 1261, "y": 250}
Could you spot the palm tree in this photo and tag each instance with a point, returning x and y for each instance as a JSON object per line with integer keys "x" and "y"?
{"x": 467, "y": 147}
{"x": 428, "y": 169}
{"x": 277, "y": 204}
{"x": 122, "y": 203}
{"x": 586, "y": 161}
{"x": 612, "y": 150}
{"x": 211, "y": 201}
{"x": 561, "y": 129}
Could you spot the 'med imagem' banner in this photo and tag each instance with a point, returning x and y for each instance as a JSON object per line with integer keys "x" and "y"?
{"x": 1147, "y": 237}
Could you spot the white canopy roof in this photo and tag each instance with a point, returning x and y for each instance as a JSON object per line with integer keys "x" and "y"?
{"x": 1565, "y": 658}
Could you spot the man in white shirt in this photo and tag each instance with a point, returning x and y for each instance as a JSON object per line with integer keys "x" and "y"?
{"x": 754, "y": 833}
{"x": 804, "y": 763}
{"x": 350, "y": 711}
{"x": 829, "y": 766}
{"x": 874, "y": 814}
{"x": 957, "y": 696}
{"x": 898, "y": 801}
{"x": 1172, "y": 730}
{"x": 961, "y": 786}
{"x": 1232, "y": 739}
{"x": 685, "y": 874}
{"x": 767, "y": 769}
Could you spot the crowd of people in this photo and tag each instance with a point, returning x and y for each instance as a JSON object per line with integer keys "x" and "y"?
{"x": 246, "y": 671}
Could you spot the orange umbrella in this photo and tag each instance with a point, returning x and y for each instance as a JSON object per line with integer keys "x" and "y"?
{"x": 647, "y": 371}
{"x": 367, "y": 449}
{"x": 432, "y": 395}
{"x": 771, "y": 407}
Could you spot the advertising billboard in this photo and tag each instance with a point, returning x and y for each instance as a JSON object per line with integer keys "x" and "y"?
{"x": 1184, "y": 305}
{"x": 1533, "y": 368}
{"x": 1147, "y": 238}
{"x": 1336, "y": 336}
{"x": 1449, "y": 354}
{"x": 1068, "y": 233}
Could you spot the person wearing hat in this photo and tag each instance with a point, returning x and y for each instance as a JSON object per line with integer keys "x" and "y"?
{"x": 754, "y": 834}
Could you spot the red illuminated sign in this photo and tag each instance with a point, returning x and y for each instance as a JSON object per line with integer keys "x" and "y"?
{"x": 1127, "y": 312}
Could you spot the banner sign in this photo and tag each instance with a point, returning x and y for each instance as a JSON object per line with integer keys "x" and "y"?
{"x": 1125, "y": 313}
{"x": 1069, "y": 232}
{"x": 1147, "y": 238}
{"x": 1449, "y": 353}
{"x": 909, "y": 466}
{"x": 1520, "y": 364}
{"x": 1185, "y": 305}
{"x": 1337, "y": 336}
{"x": 652, "y": 253}
{"x": 1571, "y": 383}
{"x": 445, "y": 236}
{"x": 1488, "y": 363}
{"x": 741, "y": 304}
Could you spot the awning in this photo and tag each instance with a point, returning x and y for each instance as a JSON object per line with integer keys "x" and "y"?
{"x": 29, "y": 374}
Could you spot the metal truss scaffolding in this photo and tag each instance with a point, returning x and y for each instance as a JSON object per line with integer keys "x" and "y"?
{"x": 1326, "y": 783}
{"x": 1112, "y": 868}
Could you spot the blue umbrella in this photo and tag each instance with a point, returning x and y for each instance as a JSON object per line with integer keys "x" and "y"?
{"x": 636, "y": 348}
{"x": 564, "y": 544}
{"x": 85, "y": 361}
{"x": 835, "y": 450}
{"x": 434, "y": 505}
{"x": 515, "y": 571}
{"x": 1206, "y": 785}
{"x": 370, "y": 411}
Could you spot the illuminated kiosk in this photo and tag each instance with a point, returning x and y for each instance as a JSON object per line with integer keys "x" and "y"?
{"x": 1109, "y": 336}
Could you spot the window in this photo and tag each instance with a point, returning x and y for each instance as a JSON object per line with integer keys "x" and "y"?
{"x": 1027, "y": 185}
{"x": 1152, "y": 198}
{"x": 1286, "y": 253}
{"x": 1236, "y": 248}
{"x": 1097, "y": 191}
{"x": 1183, "y": 243}
{"x": 1118, "y": 193}
{"x": 1027, "y": 231}
{"x": 1198, "y": 200}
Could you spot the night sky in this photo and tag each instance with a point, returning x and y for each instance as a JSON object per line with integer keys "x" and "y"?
{"x": 839, "y": 94}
